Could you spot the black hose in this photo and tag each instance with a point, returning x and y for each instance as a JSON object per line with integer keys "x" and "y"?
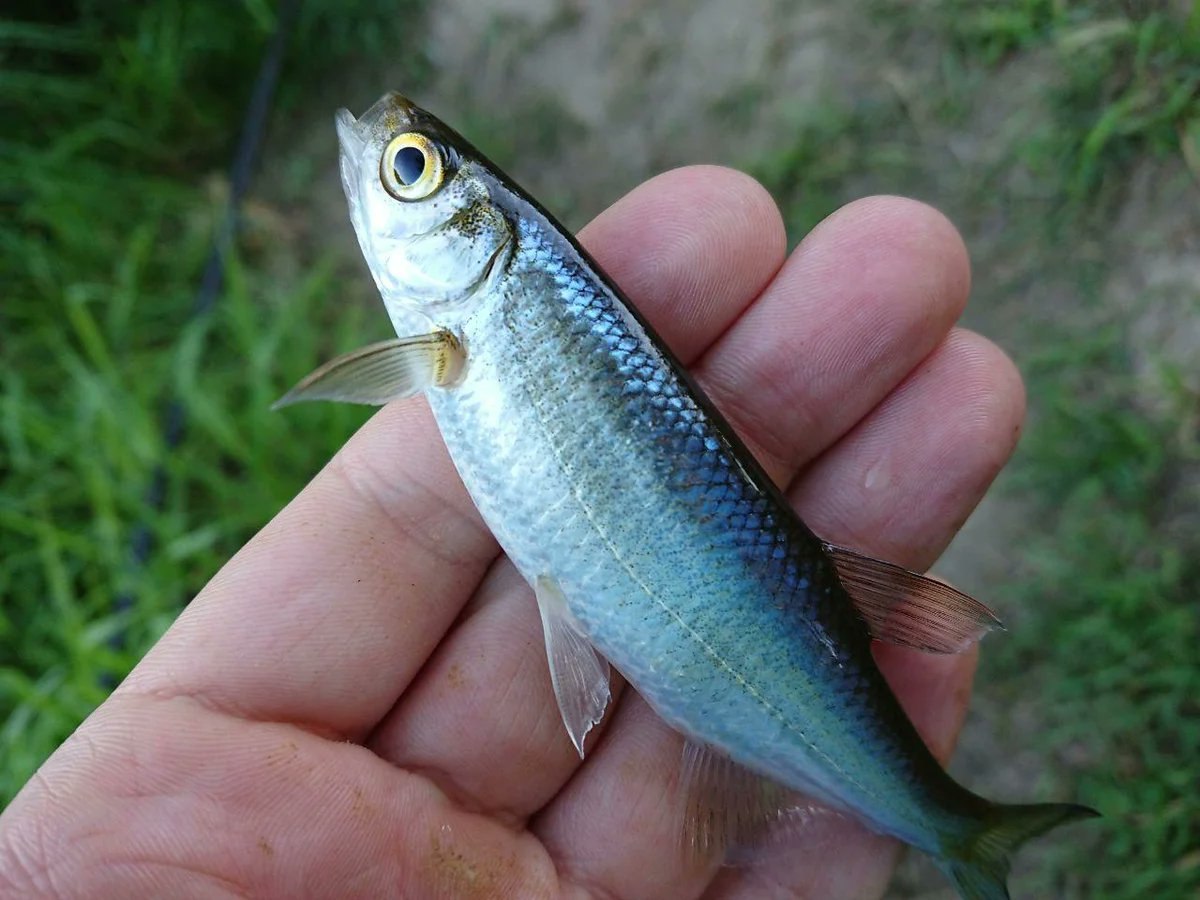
{"x": 254, "y": 124}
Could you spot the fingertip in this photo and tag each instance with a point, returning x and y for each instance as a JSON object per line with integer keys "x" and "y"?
{"x": 692, "y": 248}
{"x": 905, "y": 479}
{"x": 887, "y": 226}
{"x": 867, "y": 296}
{"x": 934, "y": 690}
{"x": 989, "y": 392}
{"x": 689, "y": 189}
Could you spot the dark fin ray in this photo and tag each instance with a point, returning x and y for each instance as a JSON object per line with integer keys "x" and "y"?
{"x": 379, "y": 373}
{"x": 902, "y": 607}
{"x": 735, "y": 816}
{"x": 980, "y": 870}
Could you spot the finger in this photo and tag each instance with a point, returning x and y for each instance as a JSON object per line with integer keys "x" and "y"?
{"x": 482, "y": 719}
{"x": 868, "y": 294}
{"x": 325, "y": 617}
{"x": 428, "y": 729}
{"x": 907, "y": 434}
{"x": 853, "y": 489}
{"x": 691, "y": 248}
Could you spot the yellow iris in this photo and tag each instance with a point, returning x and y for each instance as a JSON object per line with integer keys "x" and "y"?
{"x": 411, "y": 167}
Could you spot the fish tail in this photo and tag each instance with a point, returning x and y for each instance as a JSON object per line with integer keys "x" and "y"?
{"x": 978, "y": 867}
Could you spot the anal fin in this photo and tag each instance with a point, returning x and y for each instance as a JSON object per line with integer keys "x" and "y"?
{"x": 903, "y": 607}
{"x": 737, "y": 816}
{"x": 579, "y": 674}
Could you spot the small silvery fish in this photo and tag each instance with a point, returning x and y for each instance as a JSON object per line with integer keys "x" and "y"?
{"x": 651, "y": 536}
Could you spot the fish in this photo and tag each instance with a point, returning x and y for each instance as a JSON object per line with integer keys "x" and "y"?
{"x": 653, "y": 540}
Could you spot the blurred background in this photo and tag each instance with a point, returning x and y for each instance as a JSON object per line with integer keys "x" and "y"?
{"x": 137, "y": 451}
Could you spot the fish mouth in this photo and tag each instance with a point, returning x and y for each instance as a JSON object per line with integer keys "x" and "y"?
{"x": 390, "y": 113}
{"x": 350, "y": 139}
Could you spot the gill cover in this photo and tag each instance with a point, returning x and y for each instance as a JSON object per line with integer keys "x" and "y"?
{"x": 422, "y": 210}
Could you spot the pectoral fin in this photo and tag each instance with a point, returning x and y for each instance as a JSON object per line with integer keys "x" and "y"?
{"x": 378, "y": 373}
{"x": 578, "y": 672}
{"x": 902, "y": 607}
{"x": 736, "y": 816}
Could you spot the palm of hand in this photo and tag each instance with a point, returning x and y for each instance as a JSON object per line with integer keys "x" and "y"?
{"x": 358, "y": 704}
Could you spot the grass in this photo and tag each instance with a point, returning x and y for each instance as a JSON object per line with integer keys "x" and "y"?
{"x": 116, "y": 177}
{"x": 1112, "y": 466}
{"x": 114, "y": 183}
{"x": 1107, "y": 588}
{"x": 1103, "y": 576}
{"x": 1126, "y": 79}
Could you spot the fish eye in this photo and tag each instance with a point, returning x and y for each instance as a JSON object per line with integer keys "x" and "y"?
{"x": 412, "y": 167}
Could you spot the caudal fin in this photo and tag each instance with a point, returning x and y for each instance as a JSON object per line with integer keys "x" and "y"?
{"x": 979, "y": 869}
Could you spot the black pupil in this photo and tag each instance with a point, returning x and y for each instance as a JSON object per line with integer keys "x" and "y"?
{"x": 409, "y": 164}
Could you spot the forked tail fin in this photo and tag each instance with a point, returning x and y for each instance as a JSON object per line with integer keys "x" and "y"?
{"x": 980, "y": 868}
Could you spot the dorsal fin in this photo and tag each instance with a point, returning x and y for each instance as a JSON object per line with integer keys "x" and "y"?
{"x": 902, "y": 607}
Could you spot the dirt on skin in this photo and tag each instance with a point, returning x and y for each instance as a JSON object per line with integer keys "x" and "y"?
{"x": 582, "y": 101}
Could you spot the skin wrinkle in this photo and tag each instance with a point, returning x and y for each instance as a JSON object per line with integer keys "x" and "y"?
{"x": 416, "y": 493}
{"x": 548, "y": 715}
{"x": 25, "y": 870}
{"x": 525, "y": 634}
{"x": 591, "y": 890}
{"x": 468, "y": 801}
{"x": 145, "y": 867}
{"x": 225, "y": 707}
{"x": 643, "y": 740}
{"x": 461, "y": 797}
{"x": 141, "y": 690}
{"x": 80, "y": 839}
{"x": 222, "y": 786}
{"x": 549, "y": 718}
{"x": 377, "y": 872}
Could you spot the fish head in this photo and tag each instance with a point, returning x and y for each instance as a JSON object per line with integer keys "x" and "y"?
{"x": 420, "y": 200}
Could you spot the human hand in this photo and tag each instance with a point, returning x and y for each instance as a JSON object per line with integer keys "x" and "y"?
{"x": 358, "y": 704}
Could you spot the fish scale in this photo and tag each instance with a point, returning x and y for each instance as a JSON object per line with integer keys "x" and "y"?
{"x": 704, "y": 540}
